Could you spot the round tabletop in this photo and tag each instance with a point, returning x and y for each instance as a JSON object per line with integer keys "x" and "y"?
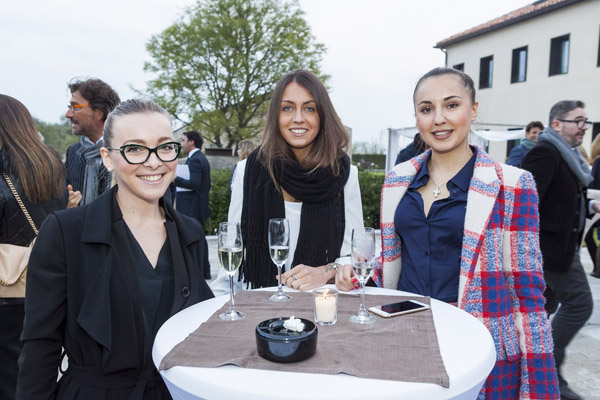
{"x": 466, "y": 347}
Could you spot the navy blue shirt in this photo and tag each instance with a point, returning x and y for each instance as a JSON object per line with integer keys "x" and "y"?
{"x": 432, "y": 244}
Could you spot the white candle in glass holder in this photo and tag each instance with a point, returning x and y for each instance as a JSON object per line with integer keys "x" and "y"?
{"x": 325, "y": 307}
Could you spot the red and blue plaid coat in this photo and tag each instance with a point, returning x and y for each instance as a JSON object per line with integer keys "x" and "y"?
{"x": 501, "y": 280}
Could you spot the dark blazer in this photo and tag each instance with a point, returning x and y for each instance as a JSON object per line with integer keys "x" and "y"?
{"x": 596, "y": 175}
{"x": 516, "y": 155}
{"x": 195, "y": 203}
{"x": 83, "y": 295}
{"x": 75, "y": 171}
{"x": 560, "y": 196}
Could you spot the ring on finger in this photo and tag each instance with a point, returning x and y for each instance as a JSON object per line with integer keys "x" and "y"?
{"x": 294, "y": 277}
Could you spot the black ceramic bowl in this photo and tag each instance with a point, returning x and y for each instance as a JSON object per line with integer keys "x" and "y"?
{"x": 275, "y": 343}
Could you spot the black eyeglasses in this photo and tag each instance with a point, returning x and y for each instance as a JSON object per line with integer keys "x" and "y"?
{"x": 581, "y": 123}
{"x": 138, "y": 154}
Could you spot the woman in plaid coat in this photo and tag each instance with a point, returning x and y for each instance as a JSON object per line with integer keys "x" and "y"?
{"x": 498, "y": 270}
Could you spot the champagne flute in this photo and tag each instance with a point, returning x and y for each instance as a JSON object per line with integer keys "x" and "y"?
{"x": 279, "y": 247}
{"x": 363, "y": 253}
{"x": 230, "y": 251}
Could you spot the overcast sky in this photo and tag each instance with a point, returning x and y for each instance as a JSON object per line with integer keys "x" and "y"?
{"x": 376, "y": 50}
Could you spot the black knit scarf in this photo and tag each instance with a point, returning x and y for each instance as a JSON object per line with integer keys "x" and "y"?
{"x": 322, "y": 221}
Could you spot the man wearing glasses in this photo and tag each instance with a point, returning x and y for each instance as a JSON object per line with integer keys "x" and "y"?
{"x": 91, "y": 102}
{"x": 562, "y": 177}
{"x": 193, "y": 200}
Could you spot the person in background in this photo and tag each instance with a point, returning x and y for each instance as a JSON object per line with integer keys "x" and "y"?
{"x": 244, "y": 148}
{"x": 104, "y": 277}
{"x": 194, "y": 202}
{"x": 37, "y": 175}
{"x": 562, "y": 176}
{"x": 453, "y": 228}
{"x": 91, "y": 102}
{"x": 518, "y": 152}
{"x": 301, "y": 172}
{"x": 590, "y": 241}
{"x": 412, "y": 150}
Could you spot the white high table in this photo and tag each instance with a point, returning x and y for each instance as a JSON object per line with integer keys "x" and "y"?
{"x": 466, "y": 347}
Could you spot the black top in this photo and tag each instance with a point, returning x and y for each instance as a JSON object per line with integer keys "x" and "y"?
{"x": 595, "y": 184}
{"x": 14, "y": 227}
{"x": 156, "y": 286}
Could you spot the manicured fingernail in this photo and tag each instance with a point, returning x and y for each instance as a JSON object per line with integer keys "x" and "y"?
{"x": 354, "y": 280}
{"x": 355, "y": 286}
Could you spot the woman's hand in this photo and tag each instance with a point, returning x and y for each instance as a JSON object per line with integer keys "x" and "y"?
{"x": 305, "y": 277}
{"x": 74, "y": 197}
{"x": 345, "y": 279}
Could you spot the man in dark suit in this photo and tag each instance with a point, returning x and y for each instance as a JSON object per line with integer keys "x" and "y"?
{"x": 194, "y": 201}
{"x": 562, "y": 177}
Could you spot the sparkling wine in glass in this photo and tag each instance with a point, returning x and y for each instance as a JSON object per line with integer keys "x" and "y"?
{"x": 363, "y": 254}
{"x": 279, "y": 247}
{"x": 231, "y": 252}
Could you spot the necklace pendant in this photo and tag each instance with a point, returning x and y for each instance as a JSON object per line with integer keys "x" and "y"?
{"x": 436, "y": 192}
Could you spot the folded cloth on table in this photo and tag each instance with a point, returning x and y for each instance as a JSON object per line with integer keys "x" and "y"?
{"x": 402, "y": 348}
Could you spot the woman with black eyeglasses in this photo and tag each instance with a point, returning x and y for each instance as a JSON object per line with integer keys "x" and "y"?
{"x": 104, "y": 277}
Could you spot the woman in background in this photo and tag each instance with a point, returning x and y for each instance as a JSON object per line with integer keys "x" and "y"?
{"x": 464, "y": 229}
{"x": 37, "y": 175}
{"x": 244, "y": 148}
{"x": 300, "y": 172}
{"x": 590, "y": 241}
{"x": 105, "y": 276}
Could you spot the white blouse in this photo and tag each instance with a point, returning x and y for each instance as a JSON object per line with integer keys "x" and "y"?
{"x": 293, "y": 210}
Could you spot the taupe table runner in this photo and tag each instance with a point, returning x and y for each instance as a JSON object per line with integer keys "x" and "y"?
{"x": 403, "y": 348}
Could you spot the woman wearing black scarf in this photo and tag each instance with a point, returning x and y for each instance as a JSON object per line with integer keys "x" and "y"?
{"x": 300, "y": 172}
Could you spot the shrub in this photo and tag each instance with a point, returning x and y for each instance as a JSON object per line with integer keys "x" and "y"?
{"x": 369, "y": 161}
{"x": 370, "y": 193}
{"x": 219, "y": 196}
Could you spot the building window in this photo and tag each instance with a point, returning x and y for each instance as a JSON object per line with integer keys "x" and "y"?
{"x": 519, "y": 65}
{"x": 459, "y": 67}
{"x": 559, "y": 55}
{"x": 486, "y": 70}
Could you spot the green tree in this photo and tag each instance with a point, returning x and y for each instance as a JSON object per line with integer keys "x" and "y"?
{"x": 57, "y": 136}
{"x": 216, "y": 67}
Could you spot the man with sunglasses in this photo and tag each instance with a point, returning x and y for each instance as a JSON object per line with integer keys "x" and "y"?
{"x": 562, "y": 177}
{"x": 91, "y": 102}
{"x": 193, "y": 202}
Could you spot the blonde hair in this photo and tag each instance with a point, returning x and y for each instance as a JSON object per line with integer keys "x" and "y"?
{"x": 595, "y": 149}
{"x": 245, "y": 147}
{"x": 584, "y": 154}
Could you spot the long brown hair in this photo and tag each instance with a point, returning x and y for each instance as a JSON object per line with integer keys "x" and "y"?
{"x": 38, "y": 169}
{"x": 331, "y": 141}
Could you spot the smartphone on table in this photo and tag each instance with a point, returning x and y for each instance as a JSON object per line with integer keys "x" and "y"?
{"x": 399, "y": 308}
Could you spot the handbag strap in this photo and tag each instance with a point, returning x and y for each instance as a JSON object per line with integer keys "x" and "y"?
{"x": 18, "y": 198}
